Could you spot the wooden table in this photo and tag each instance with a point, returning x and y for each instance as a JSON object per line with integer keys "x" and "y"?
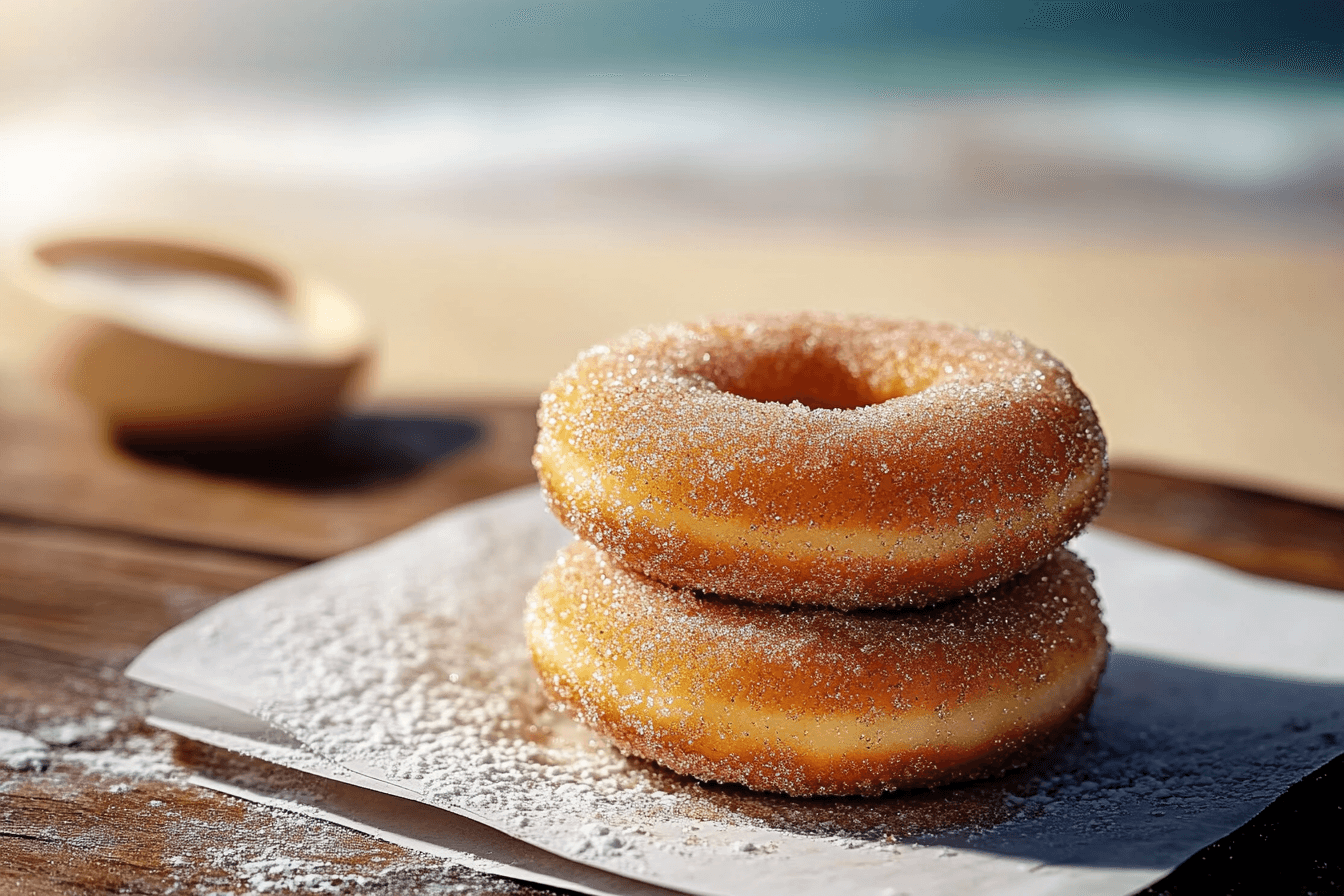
{"x": 101, "y": 550}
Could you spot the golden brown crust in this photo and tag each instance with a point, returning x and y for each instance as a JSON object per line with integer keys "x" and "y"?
{"x": 920, "y": 462}
{"x": 818, "y": 701}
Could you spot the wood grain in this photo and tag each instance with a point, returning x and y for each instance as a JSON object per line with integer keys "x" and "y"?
{"x": 104, "y": 595}
{"x": 1250, "y": 530}
{"x": 56, "y": 466}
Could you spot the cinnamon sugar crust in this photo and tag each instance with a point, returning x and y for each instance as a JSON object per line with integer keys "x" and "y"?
{"x": 810, "y": 701}
{"x": 820, "y": 459}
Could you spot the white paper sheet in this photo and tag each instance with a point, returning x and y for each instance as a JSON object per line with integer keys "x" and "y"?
{"x": 403, "y": 664}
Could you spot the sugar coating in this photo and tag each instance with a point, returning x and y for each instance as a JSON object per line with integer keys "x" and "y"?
{"x": 820, "y": 459}
{"x": 809, "y": 701}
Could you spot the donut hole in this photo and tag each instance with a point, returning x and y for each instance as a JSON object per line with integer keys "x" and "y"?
{"x": 819, "y": 379}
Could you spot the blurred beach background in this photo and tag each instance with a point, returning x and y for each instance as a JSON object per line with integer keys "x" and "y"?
{"x": 1153, "y": 191}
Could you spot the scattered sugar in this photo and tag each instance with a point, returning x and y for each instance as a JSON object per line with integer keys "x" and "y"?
{"x": 67, "y": 733}
{"x": 138, "y": 758}
{"x": 291, "y": 875}
{"x": 22, "y": 753}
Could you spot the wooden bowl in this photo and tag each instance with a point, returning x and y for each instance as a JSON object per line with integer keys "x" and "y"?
{"x": 186, "y": 342}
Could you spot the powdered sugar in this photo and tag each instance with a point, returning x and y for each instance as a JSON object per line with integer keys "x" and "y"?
{"x": 272, "y": 875}
{"x": 22, "y": 753}
{"x": 69, "y": 732}
{"x": 138, "y": 757}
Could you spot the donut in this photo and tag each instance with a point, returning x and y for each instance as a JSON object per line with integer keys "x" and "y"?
{"x": 821, "y": 459}
{"x": 810, "y": 700}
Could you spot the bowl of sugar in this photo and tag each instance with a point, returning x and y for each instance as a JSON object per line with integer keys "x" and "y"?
{"x": 185, "y": 341}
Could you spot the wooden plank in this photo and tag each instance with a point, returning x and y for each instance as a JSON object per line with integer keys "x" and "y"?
{"x": 105, "y": 596}
{"x": 77, "y": 606}
{"x": 376, "y": 473}
{"x": 1250, "y": 530}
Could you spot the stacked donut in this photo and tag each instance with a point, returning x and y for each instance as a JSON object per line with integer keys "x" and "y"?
{"x": 820, "y": 554}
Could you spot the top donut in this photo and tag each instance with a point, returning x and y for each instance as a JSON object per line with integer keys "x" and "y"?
{"x": 821, "y": 459}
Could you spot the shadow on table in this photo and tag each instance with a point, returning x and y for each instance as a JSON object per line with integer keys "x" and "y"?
{"x": 1172, "y": 758}
{"x": 356, "y": 451}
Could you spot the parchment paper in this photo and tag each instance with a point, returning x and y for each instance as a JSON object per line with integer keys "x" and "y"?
{"x": 403, "y": 664}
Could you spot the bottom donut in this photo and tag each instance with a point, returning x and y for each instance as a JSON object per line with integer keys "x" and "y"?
{"x": 813, "y": 701}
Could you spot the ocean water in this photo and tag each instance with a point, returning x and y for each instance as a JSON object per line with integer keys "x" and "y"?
{"x": 1208, "y": 115}
{"x": 880, "y": 44}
